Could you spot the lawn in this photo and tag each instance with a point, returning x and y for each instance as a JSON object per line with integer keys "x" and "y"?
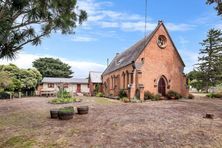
{"x": 110, "y": 123}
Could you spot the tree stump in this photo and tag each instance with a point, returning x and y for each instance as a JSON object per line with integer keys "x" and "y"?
{"x": 209, "y": 116}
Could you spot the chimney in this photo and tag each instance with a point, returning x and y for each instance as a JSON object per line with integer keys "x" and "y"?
{"x": 117, "y": 54}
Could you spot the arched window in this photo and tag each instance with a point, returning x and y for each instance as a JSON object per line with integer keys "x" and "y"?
{"x": 127, "y": 78}
{"x": 123, "y": 76}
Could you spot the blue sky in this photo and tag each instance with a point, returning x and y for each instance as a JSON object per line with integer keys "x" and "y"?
{"x": 115, "y": 25}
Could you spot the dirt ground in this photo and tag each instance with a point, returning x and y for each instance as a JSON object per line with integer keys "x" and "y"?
{"x": 26, "y": 123}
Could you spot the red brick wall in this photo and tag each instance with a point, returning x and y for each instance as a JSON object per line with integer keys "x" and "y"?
{"x": 160, "y": 62}
{"x": 157, "y": 62}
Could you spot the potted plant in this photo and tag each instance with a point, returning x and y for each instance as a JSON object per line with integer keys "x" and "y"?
{"x": 54, "y": 113}
{"x": 82, "y": 110}
{"x": 66, "y": 113}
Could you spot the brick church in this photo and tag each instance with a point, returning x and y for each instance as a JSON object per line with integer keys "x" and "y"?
{"x": 152, "y": 64}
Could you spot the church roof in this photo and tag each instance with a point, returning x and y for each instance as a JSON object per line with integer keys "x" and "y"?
{"x": 132, "y": 53}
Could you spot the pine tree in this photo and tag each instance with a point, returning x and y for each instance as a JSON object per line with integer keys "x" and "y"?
{"x": 210, "y": 60}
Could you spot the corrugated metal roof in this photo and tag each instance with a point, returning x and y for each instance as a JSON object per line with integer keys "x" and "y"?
{"x": 64, "y": 80}
{"x": 95, "y": 77}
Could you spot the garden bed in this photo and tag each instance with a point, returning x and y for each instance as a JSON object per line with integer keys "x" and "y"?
{"x": 64, "y": 100}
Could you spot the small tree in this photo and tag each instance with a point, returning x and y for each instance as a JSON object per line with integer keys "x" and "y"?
{"x": 49, "y": 67}
{"x": 210, "y": 60}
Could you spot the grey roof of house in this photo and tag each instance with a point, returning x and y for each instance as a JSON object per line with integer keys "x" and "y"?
{"x": 95, "y": 77}
{"x": 132, "y": 53}
{"x": 64, "y": 80}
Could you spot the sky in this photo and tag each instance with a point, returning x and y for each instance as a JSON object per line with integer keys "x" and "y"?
{"x": 115, "y": 25}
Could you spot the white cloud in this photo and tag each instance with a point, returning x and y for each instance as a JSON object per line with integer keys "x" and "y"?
{"x": 99, "y": 15}
{"x": 179, "y": 27}
{"x": 219, "y": 26}
{"x": 136, "y": 26}
{"x": 83, "y": 39}
{"x": 80, "y": 68}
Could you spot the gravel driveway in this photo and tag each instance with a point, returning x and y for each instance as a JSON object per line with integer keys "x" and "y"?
{"x": 110, "y": 123}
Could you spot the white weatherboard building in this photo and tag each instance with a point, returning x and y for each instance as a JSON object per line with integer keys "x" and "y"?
{"x": 72, "y": 85}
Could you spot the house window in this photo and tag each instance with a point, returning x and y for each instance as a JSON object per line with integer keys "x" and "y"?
{"x": 131, "y": 78}
{"x": 142, "y": 60}
{"x": 50, "y": 85}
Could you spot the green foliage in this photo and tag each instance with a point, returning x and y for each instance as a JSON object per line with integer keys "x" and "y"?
{"x": 214, "y": 95}
{"x": 148, "y": 95}
{"x": 62, "y": 100}
{"x": 5, "y": 95}
{"x": 99, "y": 94}
{"x": 28, "y": 21}
{"x": 50, "y": 67}
{"x": 172, "y": 94}
{"x": 210, "y": 59}
{"x": 96, "y": 90}
{"x": 218, "y": 7}
{"x": 5, "y": 80}
{"x": 63, "y": 94}
{"x": 14, "y": 79}
{"x": 122, "y": 93}
{"x": 195, "y": 79}
{"x": 156, "y": 97}
{"x": 190, "y": 96}
{"x": 67, "y": 109}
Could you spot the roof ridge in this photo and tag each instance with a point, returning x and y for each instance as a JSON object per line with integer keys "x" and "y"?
{"x": 137, "y": 47}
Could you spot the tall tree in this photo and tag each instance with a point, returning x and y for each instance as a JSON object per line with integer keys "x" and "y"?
{"x": 50, "y": 67}
{"x": 210, "y": 60}
{"x": 218, "y": 5}
{"x": 28, "y": 21}
{"x": 195, "y": 79}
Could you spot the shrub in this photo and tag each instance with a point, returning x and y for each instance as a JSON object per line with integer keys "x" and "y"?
{"x": 5, "y": 95}
{"x": 190, "y": 96}
{"x": 148, "y": 95}
{"x": 63, "y": 100}
{"x": 214, "y": 95}
{"x": 99, "y": 94}
{"x": 156, "y": 97}
{"x": 63, "y": 94}
{"x": 126, "y": 100}
{"x": 122, "y": 94}
{"x": 172, "y": 94}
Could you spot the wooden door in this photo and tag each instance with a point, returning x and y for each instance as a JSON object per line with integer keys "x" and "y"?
{"x": 78, "y": 88}
{"x": 162, "y": 87}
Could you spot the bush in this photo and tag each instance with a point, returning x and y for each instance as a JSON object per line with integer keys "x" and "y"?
{"x": 63, "y": 94}
{"x": 63, "y": 100}
{"x": 190, "y": 96}
{"x": 214, "y": 95}
{"x": 148, "y": 95}
{"x": 122, "y": 94}
{"x": 173, "y": 95}
{"x": 5, "y": 95}
{"x": 156, "y": 97}
{"x": 99, "y": 94}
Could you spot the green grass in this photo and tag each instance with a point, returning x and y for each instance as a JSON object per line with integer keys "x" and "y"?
{"x": 19, "y": 142}
{"x": 103, "y": 101}
{"x": 63, "y": 100}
